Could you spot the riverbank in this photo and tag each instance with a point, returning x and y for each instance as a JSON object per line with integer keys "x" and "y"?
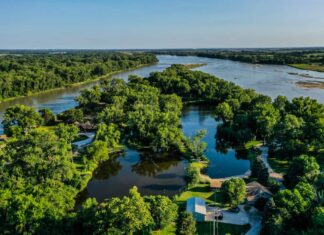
{"x": 310, "y": 67}
{"x": 34, "y": 94}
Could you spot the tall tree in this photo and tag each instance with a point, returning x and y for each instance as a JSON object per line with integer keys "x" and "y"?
{"x": 20, "y": 119}
{"x": 260, "y": 171}
{"x": 234, "y": 191}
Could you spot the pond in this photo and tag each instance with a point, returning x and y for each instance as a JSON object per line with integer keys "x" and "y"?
{"x": 165, "y": 174}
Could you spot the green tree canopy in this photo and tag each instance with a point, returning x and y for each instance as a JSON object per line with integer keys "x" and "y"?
{"x": 20, "y": 119}
{"x": 234, "y": 191}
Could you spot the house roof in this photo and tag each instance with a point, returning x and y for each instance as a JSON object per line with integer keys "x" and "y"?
{"x": 255, "y": 189}
{"x": 196, "y": 205}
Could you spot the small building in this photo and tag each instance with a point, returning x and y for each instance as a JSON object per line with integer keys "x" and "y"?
{"x": 197, "y": 207}
{"x": 255, "y": 190}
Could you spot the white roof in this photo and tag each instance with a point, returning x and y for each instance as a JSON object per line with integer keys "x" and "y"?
{"x": 196, "y": 205}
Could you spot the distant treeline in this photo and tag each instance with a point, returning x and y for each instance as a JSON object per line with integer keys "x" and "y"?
{"x": 23, "y": 74}
{"x": 256, "y": 56}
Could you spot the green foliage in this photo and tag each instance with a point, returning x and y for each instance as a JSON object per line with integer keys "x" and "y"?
{"x": 66, "y": 132}
{"x": 256, "y": 56}
{"x": 234, "y": 191}
{"x": 142, "y": 114}
{"x": 109, "y": 134}
{"x": 260, "y": 171}
{"x": 20, "y": 119}
{"x": 318, "y": 218}
{"x": 265, "y": 117}
{"x": 303, "y": 168}
{"x": 193, "y": 174}
{"x": 71, "y": 116}
{"x": 48, "y": 116}
{"x": 186, "y": 224}
{"x": 163, "y": 210}
{"x": 38, "y": 156}
{"x": 127, "y": 215}
{"x": 195, "y": 147}
{"x": 289, "y": 210}
{"x": 224, "y": 112}
{"x": 98, "y": 150}
{"x": 90, "y": 98}
{"x": 28, "y": 73}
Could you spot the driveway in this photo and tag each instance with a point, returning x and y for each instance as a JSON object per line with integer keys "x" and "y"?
{"x": 241, "y": 218}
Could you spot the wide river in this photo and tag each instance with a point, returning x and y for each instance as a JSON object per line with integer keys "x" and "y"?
{"x": 165, "y": 175}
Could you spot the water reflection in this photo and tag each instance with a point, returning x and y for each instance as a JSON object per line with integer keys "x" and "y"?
{"x": 150, "y": 164}
{"x": 151, "y": 173}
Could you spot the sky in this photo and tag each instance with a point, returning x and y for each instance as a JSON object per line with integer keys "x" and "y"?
{"x": 139, "y": 24}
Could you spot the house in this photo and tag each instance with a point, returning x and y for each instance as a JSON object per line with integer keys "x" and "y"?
{"x": 255, "y": 190}
{"x": 197, "y": 207}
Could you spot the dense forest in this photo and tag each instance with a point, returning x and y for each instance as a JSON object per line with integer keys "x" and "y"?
{"x": 295, "y": 57}
{"x": 24, "y": 74}
{"x": 42, "y": 175}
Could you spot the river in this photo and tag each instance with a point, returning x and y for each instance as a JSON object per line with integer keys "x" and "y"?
{"x": 165, "y": 175}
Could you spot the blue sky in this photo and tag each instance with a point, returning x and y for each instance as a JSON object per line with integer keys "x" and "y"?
{"x": 110, "y": 24}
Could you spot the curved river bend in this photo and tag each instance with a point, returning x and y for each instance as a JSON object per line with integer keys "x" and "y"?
{"x": 165, "y": 175}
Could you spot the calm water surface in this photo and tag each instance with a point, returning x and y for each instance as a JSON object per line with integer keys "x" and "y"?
{"x": 165, "y": 175}
{"x": 271, "y": 80}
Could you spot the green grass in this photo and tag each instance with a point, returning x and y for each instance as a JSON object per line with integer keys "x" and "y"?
{"x": 312, "y": 67}
{"x": 253, "y": 144}
{"x": 206, "y": 228}
{"x": 278, "y": 165}
{"x": 201, "y": 190}
{"x": 169, "y": 230}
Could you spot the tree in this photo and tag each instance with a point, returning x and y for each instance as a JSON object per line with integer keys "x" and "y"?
{"x": 124, "y": 216}
{"x": 48, "y": 116}
{"x": 303, "y": 168}
{"x": 98, "y": 150}
{"x": 260, "y": 171}
{"x": 224, "y": 112}
{"x": 234, "y": 191}
{"x": 163, "y": 210}
{"x": 266, "y": 117}
{"x": 281, "y": 103}
{"x": 109, "y": 134}
{"x": 186, "y": 224}
{"x": 37, "y": 156}
{"x": 71, "y": 116}
{"x": 193, "y": 174}
{"x": 195, "y": 147}
{"x": 67, "y": 132}
{"x": 90, "y": 97}
{"x": 20, "y": 119}
{"x": 318, "y": 218}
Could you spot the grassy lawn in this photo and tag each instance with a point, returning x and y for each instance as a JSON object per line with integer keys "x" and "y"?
{"x": 169, "y": 230}
{"x": 206, "y": 228}
{"x": 313, "y": 67}
{"x": 201, "y": 190}
{"x": 280, "y": 166}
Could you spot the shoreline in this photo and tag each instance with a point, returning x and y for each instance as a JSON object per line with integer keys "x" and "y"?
{"x": 74, "y": 84}
{"x": 307, "y": 67}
